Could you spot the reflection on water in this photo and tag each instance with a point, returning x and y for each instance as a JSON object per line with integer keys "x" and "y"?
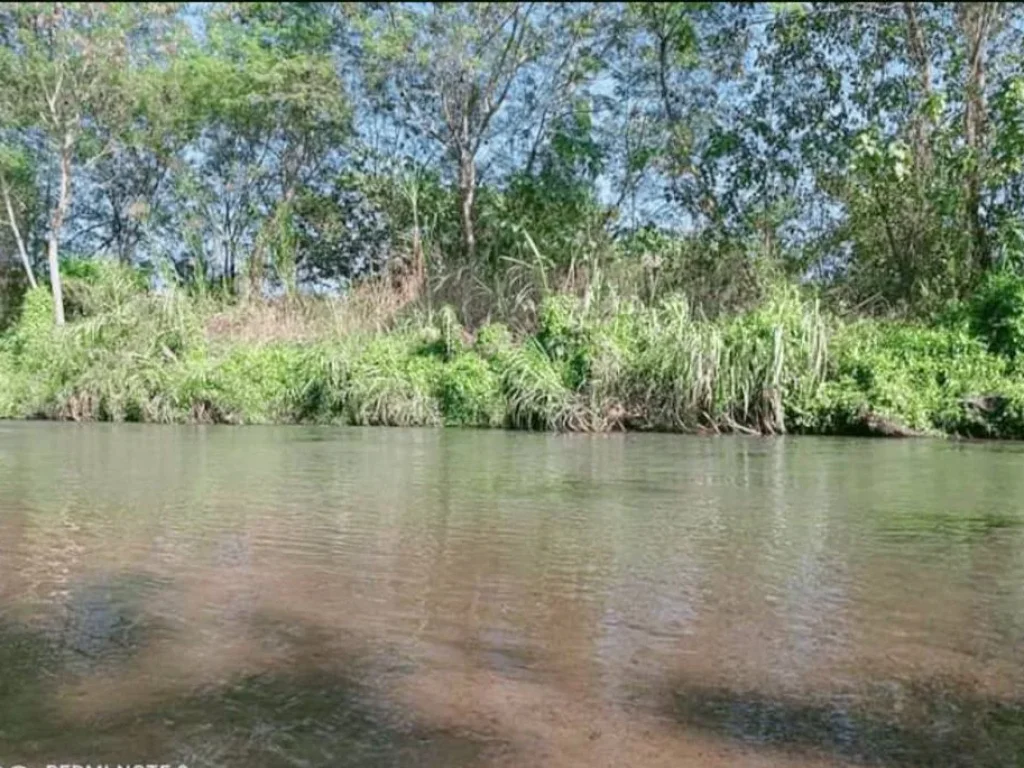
{"x": 279, "y": 597}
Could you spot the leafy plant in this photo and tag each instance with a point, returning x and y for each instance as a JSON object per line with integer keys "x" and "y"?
{"x": 997, "y": 313}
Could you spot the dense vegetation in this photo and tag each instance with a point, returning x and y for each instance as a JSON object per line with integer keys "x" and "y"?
{"x": 711, "y": 216}
{"x": 131, "y": 353}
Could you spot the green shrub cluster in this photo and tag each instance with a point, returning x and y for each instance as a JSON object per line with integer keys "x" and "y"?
{"x": 135, "y": 355}
{"x": 920, "y": 379}
{"x": 996, "y": 314}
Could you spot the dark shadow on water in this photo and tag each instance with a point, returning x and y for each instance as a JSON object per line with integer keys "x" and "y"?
{"x": 936, "y": 724}
{"x": 97, "y": 625}
{"x": 298, "y": 717}
{"x": 106, "y": 621}
{"x": 26, "y": 661}
{"x": 950, "y": 527}
{"x": 320, "y": 705}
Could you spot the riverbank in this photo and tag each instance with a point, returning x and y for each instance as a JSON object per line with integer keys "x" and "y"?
{"x": 129, "y": 354}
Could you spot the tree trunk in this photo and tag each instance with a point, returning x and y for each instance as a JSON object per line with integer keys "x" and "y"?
{"x": 921, "y": 56}
{"x": 252, "y": 281}
{"x": 56, "y": 222}
{"x": 419, "y": 259}
{"x": 467, "y": 196}
{"x": 13, "y": 221}
{"x": 286, "y": 264}
{"x": 977, "y": 21}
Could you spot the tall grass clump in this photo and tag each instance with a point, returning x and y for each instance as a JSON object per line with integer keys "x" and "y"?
{"x": 109, "y": 363}
{"x": 471, "y": 393}
{"x": 244, "y": 384}
{"x": 734, "y": 374}
{"x": 30, "y": 358}
{"x": 392, "y": 381}
{"x": 115, "y": 361}
{"x": 536, "y": 395}
{"x": 545, "y": 378}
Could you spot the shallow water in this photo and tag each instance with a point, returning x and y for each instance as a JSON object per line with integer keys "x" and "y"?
{"x": 364, "y": 597}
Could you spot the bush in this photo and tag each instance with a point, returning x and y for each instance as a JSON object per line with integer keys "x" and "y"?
{"x": 733, "y": 374}
{"x": 536, "y": 396}
{"x": 13, "y": 285}
{"x": 99, "y": 286}
{"x": 996, "y": 313}
{"x": 492, "y": 340}
{"x": 910, "y": 376}
{"x": 247, "y": 385}
{"x": 471, "y": 393}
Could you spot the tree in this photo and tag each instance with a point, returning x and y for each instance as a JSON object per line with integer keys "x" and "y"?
{"x": 446, "y": 72}
{"x": 979, "y": 24}
{"x": 66, "y": 75}
{"x": 270, "y": 119}
{"x": 684, "y": 57}
{"x": 16, "y": 189}
{"x": 889, "y": 108}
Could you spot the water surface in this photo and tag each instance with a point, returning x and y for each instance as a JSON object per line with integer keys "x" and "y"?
{"x": 371, "y": 597}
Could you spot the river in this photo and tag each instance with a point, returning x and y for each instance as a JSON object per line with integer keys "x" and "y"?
{"x": 382, "y": 597}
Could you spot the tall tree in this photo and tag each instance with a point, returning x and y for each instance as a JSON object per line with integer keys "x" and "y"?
{"x": 889, "y": 107}
{"x": 271, "y": 119}
{"x": 979, "y": 24}
{"x": 447, "y": 71}
{"x": 18, "y": 193}
{"x": 66, "y": 74}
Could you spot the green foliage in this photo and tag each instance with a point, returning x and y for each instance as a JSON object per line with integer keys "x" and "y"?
{"x": 450, "y": 332}
{"x": 470, "y": 393}
{"x": 247, "y": 385}
{"x": 33, "y": 340}
{"x": 535, "y": 392}
{"x": 563, "y": 335}
{"x": 505, "y": 152}
{"x": 733, "y": 374}
{"x": 132, "y": 354}
{"x": 996, "y": 313}
{"x": 94, "y": 286}
{"x": 492, "y": 340}
{"x": 388, "y": 385}
{"x": 627, "y": 206}
{"x": 923, "y": 379}
{"x": 115, "y": 364}
{"x": 12, "y": 293}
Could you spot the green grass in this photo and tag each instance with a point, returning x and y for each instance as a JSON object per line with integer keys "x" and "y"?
{"x": 131, "y": 355}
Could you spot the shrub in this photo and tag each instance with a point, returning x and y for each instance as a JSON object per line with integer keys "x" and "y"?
{"x": 736, "y": 373}
{"x": 99, "y": 286}
{"x": 471, "y": 393}
{"x": 917, "y": 377}
{"x": 247, "y": 385}
{"x": 535, "y": 392}
{"x": 996, "y": 313}
{"x": 492, "y": 340}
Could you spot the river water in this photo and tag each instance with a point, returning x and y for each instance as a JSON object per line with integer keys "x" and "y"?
{"x": 373, "y": 597}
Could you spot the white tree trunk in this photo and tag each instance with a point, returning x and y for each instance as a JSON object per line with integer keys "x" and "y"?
{"x": 56, "y": 222}
{"x": 13, "y": 221}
